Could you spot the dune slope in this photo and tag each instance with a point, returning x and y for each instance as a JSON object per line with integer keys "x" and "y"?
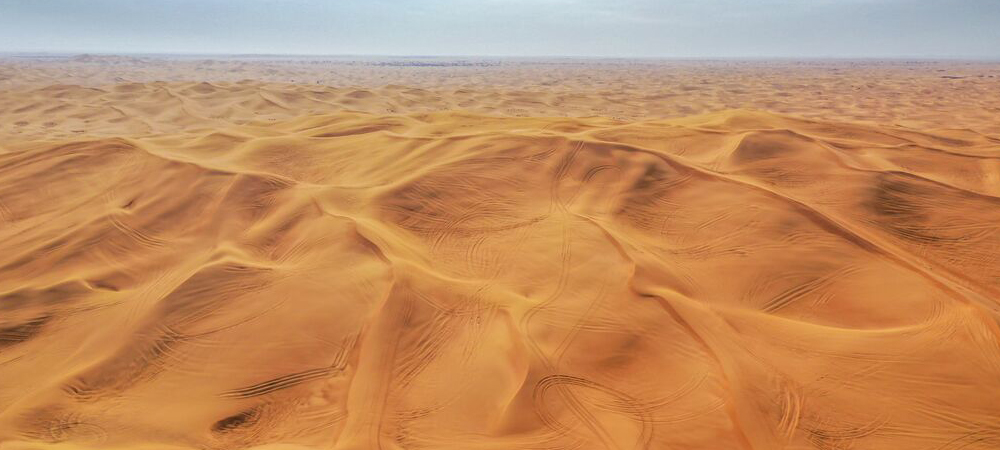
{"x": 445, "y": 280}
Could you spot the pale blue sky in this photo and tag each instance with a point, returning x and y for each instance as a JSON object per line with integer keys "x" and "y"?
{"x": 620, "y": 28}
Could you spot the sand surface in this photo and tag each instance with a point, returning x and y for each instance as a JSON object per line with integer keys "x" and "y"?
{"x": 515, "y": 254}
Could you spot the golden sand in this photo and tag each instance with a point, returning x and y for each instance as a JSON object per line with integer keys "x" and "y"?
{"x": 700, "y": 256}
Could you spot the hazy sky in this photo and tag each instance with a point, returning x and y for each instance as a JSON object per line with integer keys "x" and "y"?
{"x": 626, "y": 28}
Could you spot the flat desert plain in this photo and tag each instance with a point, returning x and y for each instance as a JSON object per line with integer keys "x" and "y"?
{"x": 433, "y": 253}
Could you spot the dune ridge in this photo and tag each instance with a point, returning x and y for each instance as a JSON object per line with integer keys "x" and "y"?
{"x": 264, "y": 268}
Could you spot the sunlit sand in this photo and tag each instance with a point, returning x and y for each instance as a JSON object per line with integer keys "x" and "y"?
{"x": 524, "y": 254}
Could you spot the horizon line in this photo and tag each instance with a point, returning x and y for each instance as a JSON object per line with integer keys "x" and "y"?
{"x": 72, "y": 53}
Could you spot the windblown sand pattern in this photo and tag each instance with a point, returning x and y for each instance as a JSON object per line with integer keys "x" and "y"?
{"x": 226, "y": 265}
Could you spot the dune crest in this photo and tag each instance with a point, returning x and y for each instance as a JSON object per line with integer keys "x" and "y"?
{"x": 238, "y": 276}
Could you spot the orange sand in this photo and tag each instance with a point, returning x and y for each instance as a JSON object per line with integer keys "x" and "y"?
{"x": 401, "y": 265}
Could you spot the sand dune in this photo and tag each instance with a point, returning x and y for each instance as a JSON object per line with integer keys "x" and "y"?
{"x": 914, "y": 94}
{"x": 233, "y": 265}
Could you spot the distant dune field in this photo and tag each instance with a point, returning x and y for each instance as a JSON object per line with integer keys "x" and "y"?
{"x": 352, "y": 255}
